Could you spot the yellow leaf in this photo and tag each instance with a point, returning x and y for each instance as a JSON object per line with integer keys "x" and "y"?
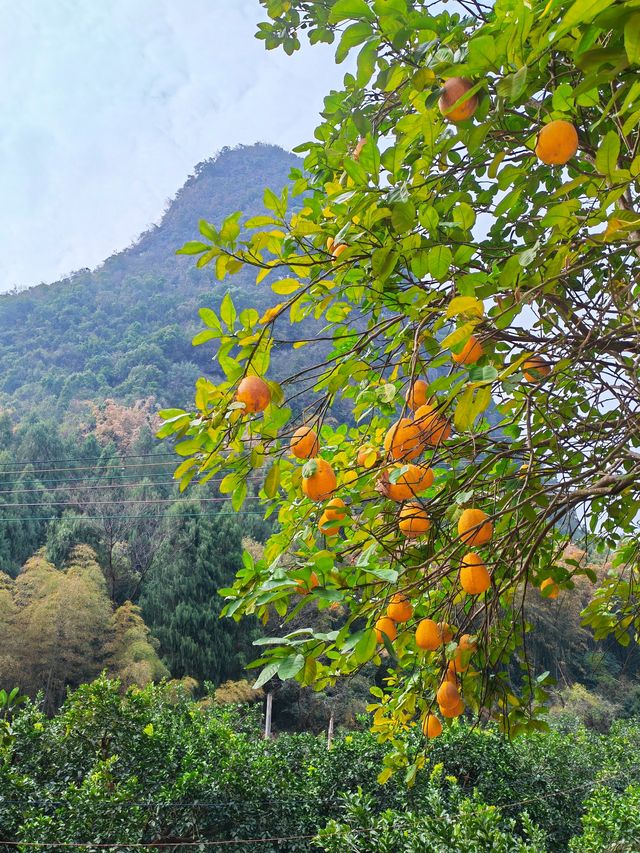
{"x": 271, "y": 313}
{"x": 285, "y": 286}
{"x": 465, "y": 305}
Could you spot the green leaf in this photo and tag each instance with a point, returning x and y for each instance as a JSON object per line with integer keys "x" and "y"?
{"x": 266, "y": 675}
{"x": 286, "y": 286}
{"x": 458, "y": 335}
{"x": 367, "y": 62}
{"x": 238, "y": 496}
{"x": 439, "y": 260}
{"x": 210, "y": 318}
{"x": 193, "y": 247}
{"x": 342, "y": 10}
{"x": 513, "y": 85}
{"x": 207, "y": 230}
{"x": 231, "y": 227}
{"x": 366, "y": 646}
{"x": 463, "y": 415}
{"x": 632, "y": 38}
{"x": 272, "y": 480}
{"x": 403, "y": 216}
{"x": 352, "y": 36}
{"x": 607, "y": 154}
{"x": 228, "y": 311}
{"x": 290, "y": 666}
{"x": 203, "y": 336}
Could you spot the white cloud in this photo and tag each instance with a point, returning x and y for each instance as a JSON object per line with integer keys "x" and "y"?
{"x": 106, "y": 107}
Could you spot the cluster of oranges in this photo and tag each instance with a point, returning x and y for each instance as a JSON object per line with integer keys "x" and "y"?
{"x": 557, "y": 141}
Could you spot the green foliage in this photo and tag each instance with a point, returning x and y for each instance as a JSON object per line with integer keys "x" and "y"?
{"x": 153, "y": 765}
{"x": 124, "y": 330}
{"x": 59, "y": 630}
{"x": 611, "y": 822}
{"x": 199, "y": 556}
{"x": 447, "y": 823}
{"x": 407, "y": 232}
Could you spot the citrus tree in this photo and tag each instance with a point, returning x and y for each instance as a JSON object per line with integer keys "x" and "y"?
{"x": 465, "y": 233}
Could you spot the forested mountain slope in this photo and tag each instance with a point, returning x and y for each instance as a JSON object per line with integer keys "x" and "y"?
{"x": 124, "y": 330}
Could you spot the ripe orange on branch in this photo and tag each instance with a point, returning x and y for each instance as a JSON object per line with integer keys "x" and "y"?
{"x": 428, "y": 635}
{"x": 403, "y": 439}
{"x": 411, "y": 482}
{"x": 400, "y": 609}
{"x": 470, "y": 353}
{"x": 535, "y": 369}
{"x": 474, "y": 527}
{"x": 552, "y": 586}
{"x": 304, "y": 443}
{"x": 557, "y": 143}
{"x": 433, "y": 427}
{"x": 318, "y": 479}
{"x": 417, "y": 394}
{"x": 254, "y": 393}
{"x": 387, "y": 626}
{"x": 453, "y": 89}
{"x": 306, "y": 586}
{"x": 474, "y": 577}
{"x": 431, "y": 726}
{"x": 414, "y": 520}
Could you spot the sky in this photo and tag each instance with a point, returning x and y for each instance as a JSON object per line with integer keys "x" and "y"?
{"x": 107, "y": 105}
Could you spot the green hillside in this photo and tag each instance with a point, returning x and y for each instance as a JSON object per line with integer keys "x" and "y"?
{"x": 124, "y": 329}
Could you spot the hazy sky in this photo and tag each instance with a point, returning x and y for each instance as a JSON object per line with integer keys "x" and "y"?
{"x": 107, "y": 105}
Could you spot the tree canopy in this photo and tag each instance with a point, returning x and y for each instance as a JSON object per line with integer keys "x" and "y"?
{"x": 467, "y": 228}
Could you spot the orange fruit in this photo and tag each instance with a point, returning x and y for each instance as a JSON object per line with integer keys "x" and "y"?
{"x": 306, "y": 586}
{"x": 557, "y": 143}
{"x": 400, "y": 609}
{"x": 535, "y": 369}
{"x": 451, "y": 674}
{"x": 474, "y": 527}
{"x": 403, "y": 440}
{"x": 318, "y": 479}
{"x": 428, "y": 635}
{"x": 431, "y": 726}
{"x": 552, "y": 586}
{"x": 417, "y": 394}
{"x": 336, "y": 251}
{"x": 414, "y": 520}
{"x": 452, "y": 711}
{"x": 434, "y": 428}
{"x": 324, "y": 526}
{"x": 367, "y": 456}
{"x": 254, "y": 393}
{"x": 463, "y": 653}
{"x": 470, "y": 352}
{"x": 304, "y": 443}
{"x": 414, "y": 480}
{"x": 474, "y": 577}
{"x": 330, "y": 242}
{"x": 452, "y": 90}
{"x": 447, "y": 695}
{"x": 445, "y": 632}
{"x": 387, "y": 626}
{"x": 336, "y": 509}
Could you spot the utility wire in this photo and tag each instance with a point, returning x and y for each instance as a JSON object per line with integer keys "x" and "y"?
{"x": 98, "y": 459}
{"x": 48, "y": 504}
{"x": 159, "y": 516}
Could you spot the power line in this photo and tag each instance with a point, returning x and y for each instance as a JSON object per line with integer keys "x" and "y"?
{"x": 106, "y": 466}
{"x": 97, "y": 459}
{"x": 99, "y": 486}
{"x": 121, "y": 516}
{"x": 123, "y": 501}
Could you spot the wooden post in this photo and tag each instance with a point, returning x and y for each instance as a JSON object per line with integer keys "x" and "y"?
{"x": 330, "y": 732}
{"x": 267, "y": 719}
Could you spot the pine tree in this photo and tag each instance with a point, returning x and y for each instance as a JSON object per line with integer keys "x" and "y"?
{"x": 180, "y": 604}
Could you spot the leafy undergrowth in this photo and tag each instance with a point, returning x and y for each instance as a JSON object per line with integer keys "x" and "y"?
{"x": 153, "y": 765}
